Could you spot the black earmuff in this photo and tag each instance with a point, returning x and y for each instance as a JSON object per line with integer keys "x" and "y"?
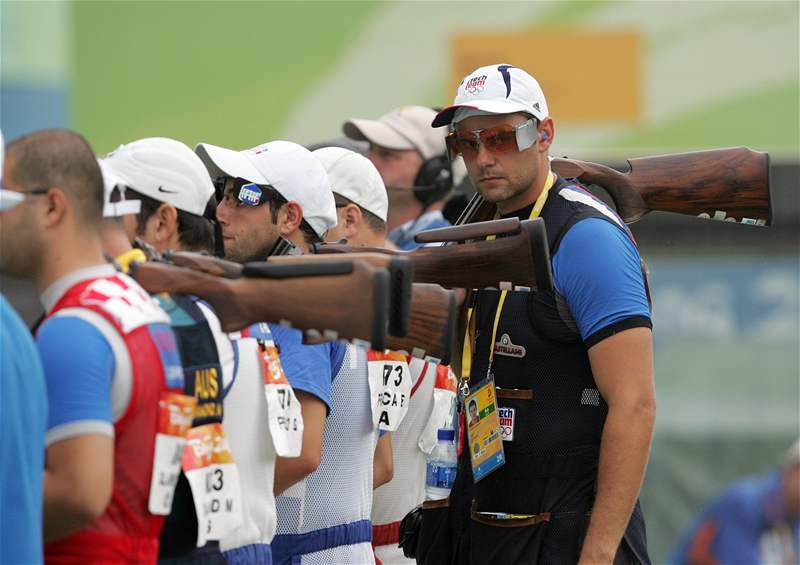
{"x": 434, "y": 180}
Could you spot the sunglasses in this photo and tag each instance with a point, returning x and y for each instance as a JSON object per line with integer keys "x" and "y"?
{"x": 245, "y": 192}
{"x": 11, "y": 198}
{"x": 499, "y": 139}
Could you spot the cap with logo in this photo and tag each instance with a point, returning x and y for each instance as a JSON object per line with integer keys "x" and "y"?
{"x": 287, "y": 167}
{"x": 164, "y": 169}
{"x": 355, "y": 177}
{"x": 496, "y": 89}
{"x": 408, "y": 127}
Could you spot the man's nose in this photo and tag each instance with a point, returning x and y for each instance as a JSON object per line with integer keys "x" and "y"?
{"x": 484, "y": 158}
{"x": 223, "y": 212}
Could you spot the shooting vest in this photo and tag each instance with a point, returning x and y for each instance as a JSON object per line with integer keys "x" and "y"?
{"x": 548, "y": 401}
{"x": 327, "y": 514}
{"x": 203, "y": 380}
{"x": 126, "y": 532}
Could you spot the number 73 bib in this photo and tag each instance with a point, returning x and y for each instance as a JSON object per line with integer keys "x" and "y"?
{"x": 390, "y": 388}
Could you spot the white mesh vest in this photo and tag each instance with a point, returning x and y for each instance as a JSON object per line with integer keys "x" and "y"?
{"x": 340, "y": 490}
{"x": 406, "y": 490}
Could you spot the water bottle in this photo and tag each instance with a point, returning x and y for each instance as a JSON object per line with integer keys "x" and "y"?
{"x": 441, "y": 469}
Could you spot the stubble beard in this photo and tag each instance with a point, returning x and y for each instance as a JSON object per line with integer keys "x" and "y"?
{"x": 255, "y": 252}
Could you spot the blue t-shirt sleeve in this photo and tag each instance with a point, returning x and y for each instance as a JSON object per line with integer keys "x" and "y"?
{"x": 307, "y": 367}
{"x": 79, "y": 366}
{"x": 598, "y": 272}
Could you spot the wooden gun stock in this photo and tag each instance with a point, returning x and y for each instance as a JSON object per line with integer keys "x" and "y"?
{"x": 309, "y": 299}
{"x": 722, "y": 184}
{"x": 401, "y": 276}
{"x": 520, "y": 258}
{"x": 432, "y": 325}
{"x": 204, "y": 263}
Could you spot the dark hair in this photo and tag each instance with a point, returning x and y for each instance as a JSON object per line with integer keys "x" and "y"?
{"x": 59, "y": 158}
{"x": 373, "y": 222}
{"x": 196, "y": 233}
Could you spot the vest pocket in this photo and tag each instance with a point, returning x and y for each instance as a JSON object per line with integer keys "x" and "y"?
{"x": 435, "y": 537}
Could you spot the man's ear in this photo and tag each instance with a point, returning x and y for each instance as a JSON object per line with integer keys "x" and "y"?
{"x": 353, "y": 218}
{"x": 166, "y": 218}
{"x": 547, "y": 133}
{"x": 56, "y": 207}
{"x": 289, "y": 217}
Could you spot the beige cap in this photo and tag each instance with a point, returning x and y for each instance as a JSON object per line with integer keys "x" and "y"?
{"x": 408, "y": 127}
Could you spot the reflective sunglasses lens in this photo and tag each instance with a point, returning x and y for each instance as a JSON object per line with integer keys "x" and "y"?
{"x": 502, "y": 139}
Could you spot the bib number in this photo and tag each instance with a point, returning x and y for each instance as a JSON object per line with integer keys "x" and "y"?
{"x": 283, "y": 409}
{"x": 390, "y": 387}
{"x": 175, "y": 413}
{"x": 214, "y": 480}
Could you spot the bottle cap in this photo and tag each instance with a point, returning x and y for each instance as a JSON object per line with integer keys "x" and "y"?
{"x": 446, "y": 434}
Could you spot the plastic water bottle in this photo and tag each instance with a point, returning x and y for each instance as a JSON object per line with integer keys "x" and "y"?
{"x": 442, "y": 463}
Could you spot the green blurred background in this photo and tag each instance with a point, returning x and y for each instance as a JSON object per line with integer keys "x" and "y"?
{"x": 713, "y": 74}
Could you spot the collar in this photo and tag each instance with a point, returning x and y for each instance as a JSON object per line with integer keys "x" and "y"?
{"x": 55, "y": 291}
{"x": 407, "y": 231}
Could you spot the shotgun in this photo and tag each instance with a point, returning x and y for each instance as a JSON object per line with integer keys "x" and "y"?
{"x": 400, "y": 271}
{"x": 432, "y": 327}
{"x": 721, "y": 184}
{"x": 519, "y": 258}
{"x": 308, "y": 297}
{"x": 428, "y": 327}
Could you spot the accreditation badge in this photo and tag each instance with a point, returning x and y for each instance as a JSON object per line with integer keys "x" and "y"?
{"x": 175, "y": 414}
{"x": 389, "y": 387}
{"x": 485, "y": 441}
{"x": 214, "y": 480}
{"x": 284, "y": 412}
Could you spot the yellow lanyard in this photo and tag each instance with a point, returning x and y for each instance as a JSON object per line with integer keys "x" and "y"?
{"x": 466, "y": 358}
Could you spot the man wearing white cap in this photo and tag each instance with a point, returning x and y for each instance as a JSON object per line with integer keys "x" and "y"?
{"x": 410, "y": 156}
{"x": 23, "y": 405}
{"x": 272, "y": 191}
{"x": 361, "y": 205}
{"x": 577, "y": 389}
{"x": 159, "y": 192}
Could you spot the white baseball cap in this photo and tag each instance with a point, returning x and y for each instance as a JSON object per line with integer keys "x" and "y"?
{"x": 408, "y": 127}
{"x": 497, "y": 89}
{"x": 287, "y": 167}
{"x": 121, "y": 207}
{"x": 164, "y": 169}
{"x": 355, "y": 177}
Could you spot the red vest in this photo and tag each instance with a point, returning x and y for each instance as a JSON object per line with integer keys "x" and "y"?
{"x": 126, "y": 532}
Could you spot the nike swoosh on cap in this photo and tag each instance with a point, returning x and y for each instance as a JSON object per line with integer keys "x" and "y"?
{"x": 162, "y": 189}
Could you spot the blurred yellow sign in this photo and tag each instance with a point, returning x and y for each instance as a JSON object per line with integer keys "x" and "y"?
{"x": 586, "y": 76}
